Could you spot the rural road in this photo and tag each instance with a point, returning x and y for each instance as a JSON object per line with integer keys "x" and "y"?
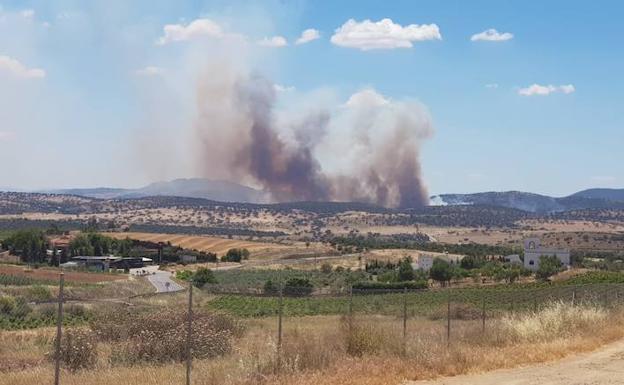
{"x": 161, "y": 280}
{"x": 601, "y": 367}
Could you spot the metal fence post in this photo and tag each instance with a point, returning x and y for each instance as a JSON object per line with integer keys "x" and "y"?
{"x": 483, "y": 315}
{"x": 573, "y": 297}
{"x": 59, "y": 331}
{"x": 404, "y": 320}
{"x": 189, "y": 335}
{"x": 448, "y": 320}
{"x": 279, "y": 326}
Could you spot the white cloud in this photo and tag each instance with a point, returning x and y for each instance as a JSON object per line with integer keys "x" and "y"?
{"x": 150, "y": 71}
{"x": 491, "y": 85}
{"x": 196, "y": 29}
{"x": 567, "y": 88}
{"x": 17, "y": 69}
{"x": 275, "y": 41}
{"x": 367, "y": 98}
{"x": 383, "y": 34}
{"x": 282, "y": 88}
{"x": 308, "y": 35}
{"x": 491, "y": 35}
{"x": 536, "y": 89}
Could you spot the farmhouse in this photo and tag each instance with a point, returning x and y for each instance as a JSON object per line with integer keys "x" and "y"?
{"x": 424, "y": 263}
{"x": 533, "y": 251}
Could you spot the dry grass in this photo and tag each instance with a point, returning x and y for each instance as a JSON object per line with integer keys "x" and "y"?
{"x": 368, "y": 351}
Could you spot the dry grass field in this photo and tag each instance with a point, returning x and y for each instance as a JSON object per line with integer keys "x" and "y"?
{"x": 257, "y": 249}
{"x": 325, "y": 350}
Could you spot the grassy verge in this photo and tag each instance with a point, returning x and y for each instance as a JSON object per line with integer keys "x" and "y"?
{"x": 328, "y": 350}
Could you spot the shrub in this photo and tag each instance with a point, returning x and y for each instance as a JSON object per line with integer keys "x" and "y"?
{"x": 203, "y": 276}
{"x": 162, "y": 337}
{"x": 367, "y": 338}
{"x": 270, "y": 288}
{"x": 235, "y": 255}
{"x": 78, "y": 349}
{"x": 326, "y": 268}
{"x": 39, "y": 293}
{"x": 7, "y": 305}
{"x": 298, "y": 287}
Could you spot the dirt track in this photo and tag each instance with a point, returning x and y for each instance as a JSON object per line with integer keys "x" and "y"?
{"x": 604, "y": 366}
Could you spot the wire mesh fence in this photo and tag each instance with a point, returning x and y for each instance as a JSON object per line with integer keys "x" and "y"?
{"x": 194, "y": 326}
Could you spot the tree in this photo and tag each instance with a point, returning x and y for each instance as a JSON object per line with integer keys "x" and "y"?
{"x": 441, "y": 271}
{"x": 549, "y": 265}
{"x": 406, "y": 271}
{"x": 235, "y": 255}
{"x": 203, "y": 276}
{"x": 29, "y": 245}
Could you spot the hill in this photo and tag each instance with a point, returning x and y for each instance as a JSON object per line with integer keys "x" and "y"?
{"x": 536, "y": 203}
{"x": 610, "y": 194}
{"x": 217, "y": 190}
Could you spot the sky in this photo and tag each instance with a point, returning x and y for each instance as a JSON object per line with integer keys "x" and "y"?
{"x": 522, "y": 95}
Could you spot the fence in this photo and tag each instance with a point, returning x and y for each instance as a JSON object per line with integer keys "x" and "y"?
{"x": 183, "y": 327}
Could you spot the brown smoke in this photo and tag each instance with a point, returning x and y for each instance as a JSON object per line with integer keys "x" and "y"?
{"x": 380, "y": 141}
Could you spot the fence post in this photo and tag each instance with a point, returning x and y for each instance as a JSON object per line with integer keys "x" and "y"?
{"x": 189, "y": 335}
{"x": 279, "y": 326}
{"x": 404, "y": 320}
{"x": 448, "y": 320}
{"x": 59, "y": 331}
{"x": 483, "y": 315}
{"x": 573, "y": 297}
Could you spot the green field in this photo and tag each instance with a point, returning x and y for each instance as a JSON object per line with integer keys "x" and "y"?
{"x": 424, "y": 302}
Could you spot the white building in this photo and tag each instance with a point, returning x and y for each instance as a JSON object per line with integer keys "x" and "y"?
{"x": 514, "y": 259}
{"x": 533, "y": 251}
{"x": 424, "y": 263}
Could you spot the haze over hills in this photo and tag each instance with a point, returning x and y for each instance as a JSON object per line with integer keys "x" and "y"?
{"x": 536, "y": 203}
{"x": 217, "y": 190}
{"x": 224, "y": 191}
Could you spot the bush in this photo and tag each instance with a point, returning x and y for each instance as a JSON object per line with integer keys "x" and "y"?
{"x": 270, "y": 288}
{"x": 39, "y": 293}
{"x": 298, "y": 287}
{"x": 326, "y": 268}
{"x": 160, "y": 338}
{"x": 370, "y": 285}
{"x": 78, "y": 349}
{"x": 235, "y": 255}
{"x": 203, "y": 276}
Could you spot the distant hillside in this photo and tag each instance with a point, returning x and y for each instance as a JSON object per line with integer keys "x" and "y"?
{"x": 216, "y": 190}
{"x": 536, "y": 203}
{"x": 610, "y": 194}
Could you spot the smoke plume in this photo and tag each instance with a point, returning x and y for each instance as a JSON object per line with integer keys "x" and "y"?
{"x": 366, "y": 149}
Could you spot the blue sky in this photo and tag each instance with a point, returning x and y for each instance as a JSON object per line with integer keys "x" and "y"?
{"x": 95, "y": 100}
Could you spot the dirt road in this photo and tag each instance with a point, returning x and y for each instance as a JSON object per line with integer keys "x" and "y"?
{"x": 602, "y": 367}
